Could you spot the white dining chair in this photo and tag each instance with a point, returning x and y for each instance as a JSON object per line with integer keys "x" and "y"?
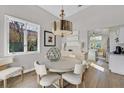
{"x": 85, "y": 64}
{"x": 74, "y": 77}
{"x": 44, "y": 78}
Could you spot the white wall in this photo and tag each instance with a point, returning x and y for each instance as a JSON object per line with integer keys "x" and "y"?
{"x": 113, "y": 43}
{"x": 32, "y": 14}
{"x": 96, "y": 17}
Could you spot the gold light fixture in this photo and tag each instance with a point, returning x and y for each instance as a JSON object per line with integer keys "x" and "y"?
{"x": 62, "y": 27}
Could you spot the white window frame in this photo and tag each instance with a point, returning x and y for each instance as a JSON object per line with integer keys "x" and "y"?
{"x": 73, "y": 42}
{"x": 6, "y": 37}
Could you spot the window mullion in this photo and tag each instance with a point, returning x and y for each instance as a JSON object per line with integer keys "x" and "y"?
{"x": 25, "y": 41}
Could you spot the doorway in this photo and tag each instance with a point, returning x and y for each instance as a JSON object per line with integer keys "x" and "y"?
{"x": 98, "y": 40}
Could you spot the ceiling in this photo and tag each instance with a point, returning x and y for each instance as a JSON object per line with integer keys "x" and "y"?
{"x": 68, "y": 9}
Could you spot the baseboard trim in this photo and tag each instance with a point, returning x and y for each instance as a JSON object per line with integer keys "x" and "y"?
{"x": 24, "y": 72}
{"x": 28, "y": 70}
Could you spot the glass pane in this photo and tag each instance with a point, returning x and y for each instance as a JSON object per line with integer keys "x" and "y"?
{"x": 95, "y": 42}
{"x": 32, "y": 40}
{"x": 98, "y": 44}
{"x": 92, "y": 38}
{"x": 16, "y": 36}
{"x": 98, "y": 37}
{"x": 73, "y": 38}
{"x": 73, "y": 44}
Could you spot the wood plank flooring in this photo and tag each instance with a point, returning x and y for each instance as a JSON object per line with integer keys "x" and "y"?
{"x": 94, "y": 78}
{"x": 98, "y": 79}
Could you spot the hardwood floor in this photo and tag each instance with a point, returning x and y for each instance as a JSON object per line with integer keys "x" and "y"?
{"x": 94, "y": 78}
{"x": 98, "y": 79}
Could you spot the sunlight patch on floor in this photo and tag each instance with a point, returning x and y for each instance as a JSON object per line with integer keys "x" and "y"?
{"x": 97, "y": 67}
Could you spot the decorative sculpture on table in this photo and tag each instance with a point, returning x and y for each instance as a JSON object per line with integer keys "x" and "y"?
{"x": 54, "y": 54}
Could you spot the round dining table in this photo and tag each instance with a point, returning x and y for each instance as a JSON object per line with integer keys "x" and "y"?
{"x": 65, "y": 64}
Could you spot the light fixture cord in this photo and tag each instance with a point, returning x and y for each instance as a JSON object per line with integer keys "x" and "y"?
{"x": 62, "y": 13}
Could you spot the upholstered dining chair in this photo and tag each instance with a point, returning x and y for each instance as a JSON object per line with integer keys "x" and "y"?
{"x": 85, "y": 64}
{"x": 74, "y": 77}
{"x": 44, "y": 78}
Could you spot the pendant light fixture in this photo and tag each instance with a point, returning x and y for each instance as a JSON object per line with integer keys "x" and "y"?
{"x": 62, "y": 27}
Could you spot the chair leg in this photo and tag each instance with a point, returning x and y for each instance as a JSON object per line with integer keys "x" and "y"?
{"x": 77, "y": 86}
{"x": 22, "y": 74}
{"x": 62, "y": 83}
{"x": 38, "y": 79}
{"x": 84, "y": 84}
{"x": 5, "y": 83}
{"x": 43, "y": 86}
{"x": 83, "y": 80}
{"x": 84, "y": 75}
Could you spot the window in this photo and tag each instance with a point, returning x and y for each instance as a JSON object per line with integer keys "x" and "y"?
{"x": 96, "y": 38}
{"x": 95, "y": 42}
{"x": 72, "y": 42}
{"x": 21, "y": 36}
